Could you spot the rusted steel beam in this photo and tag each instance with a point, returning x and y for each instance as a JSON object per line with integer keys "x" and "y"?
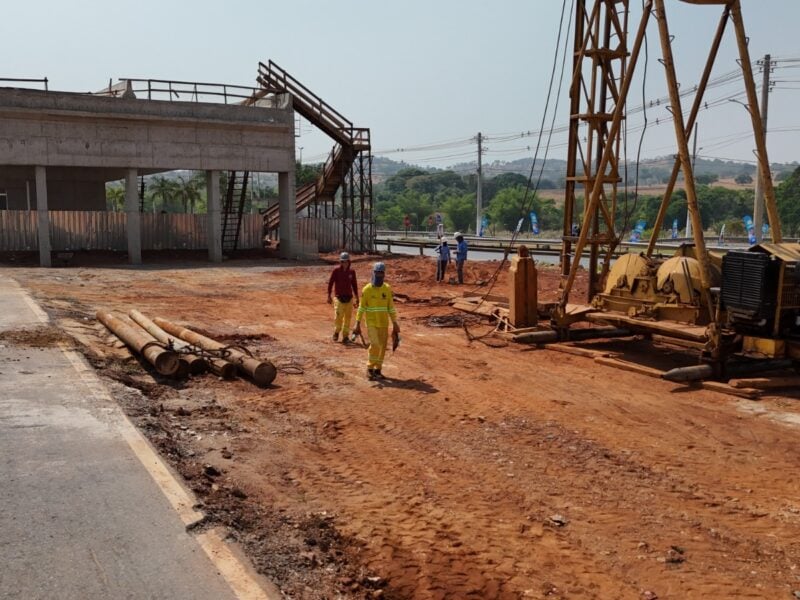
{"x": 597, "y": 189}
{"x": 194, "y": 364}
{"x": 165, "y": 361}
{"x": 263, "y": 372}
{"x": 698, "y": 103}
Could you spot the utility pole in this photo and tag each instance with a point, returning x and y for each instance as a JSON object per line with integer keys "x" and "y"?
{"x": 694, "y": 160}
{"x": 479, "y": 201}
{"x": 758, "y": 204}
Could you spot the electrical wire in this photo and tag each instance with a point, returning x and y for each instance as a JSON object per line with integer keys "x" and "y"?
{"x": 628, "y": 213}
{"x": 527, "y": 203}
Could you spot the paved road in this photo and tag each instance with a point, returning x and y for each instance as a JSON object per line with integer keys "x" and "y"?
{"x": 80, "y": 517}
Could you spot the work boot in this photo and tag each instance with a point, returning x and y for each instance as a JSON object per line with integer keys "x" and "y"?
{"x": 376, "y": 373}
{"x": 345, "y": 339}
{"x": 335, "y": 336}
{"x": 371, "y": 374}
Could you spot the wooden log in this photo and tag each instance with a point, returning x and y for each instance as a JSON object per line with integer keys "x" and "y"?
{"x": 190, "y": 363}
{"x": 671, "y": 341}
{"x": 578, "y": 351}
{"x": 766, "y": 383}
{"x": 629, "y": 366}
{"x": 165, "y": 361}
{"x": 724, "y": 388}
{"x": 263, "y": 372}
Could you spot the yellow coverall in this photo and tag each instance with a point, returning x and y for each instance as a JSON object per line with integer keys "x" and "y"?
{"x": 377, "y": 304}
{"x": 343, "y": 312}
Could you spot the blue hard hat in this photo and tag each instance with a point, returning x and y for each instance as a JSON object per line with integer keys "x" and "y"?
{"x": 379, "y": 267}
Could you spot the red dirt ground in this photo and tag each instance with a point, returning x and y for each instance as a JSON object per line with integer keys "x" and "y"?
{"x": 472, "y": 472}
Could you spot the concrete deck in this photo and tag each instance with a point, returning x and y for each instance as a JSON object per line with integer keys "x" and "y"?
{"x": 81, "y": 516}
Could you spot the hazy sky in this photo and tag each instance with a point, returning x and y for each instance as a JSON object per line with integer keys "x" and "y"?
{"x": 417, "y": 73}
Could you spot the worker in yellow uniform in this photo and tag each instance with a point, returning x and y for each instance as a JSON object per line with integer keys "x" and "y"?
{"x": 378, "y": 305}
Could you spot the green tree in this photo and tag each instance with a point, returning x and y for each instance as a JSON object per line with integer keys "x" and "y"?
{"x": 509, "y": 205}
{"x": 115, "y": 197}
{"x": 304, "y": 174}
{"x": 389, "y": 216}
{"x": 787, "y": 196}
{"x": 163, "y": 189}
{"x": 397, "y": 184}
{"x": 501, "y": 182}
{"x": 417, "y": 206}
{"x": 743, "y": 179}
{"x": 459, "y": 212}
{"x": 706, "y": 178}
{"x": 188, "y": 191}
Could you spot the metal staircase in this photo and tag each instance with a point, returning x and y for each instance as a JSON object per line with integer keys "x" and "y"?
{"x": 233, "y": 209}
{"x": 348, "y": 168}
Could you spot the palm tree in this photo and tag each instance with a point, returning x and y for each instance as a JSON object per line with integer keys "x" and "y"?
{"x": 164, "y": 188}
{"x": 115, "y": 197}
{"x": 189, "y": 192}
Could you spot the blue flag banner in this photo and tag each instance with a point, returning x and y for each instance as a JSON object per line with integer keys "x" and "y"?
{"x": 675, "y": 229}
{"x": 749, "y": 227}
{"x": 765, "y": 230}
{"x": 534, "y": 223}
{"x": 638, "y": 231}
{"x": 484, "y": 225}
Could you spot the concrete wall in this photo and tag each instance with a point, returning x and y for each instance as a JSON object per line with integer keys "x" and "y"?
{"x": 68, "y": 189}
{"x": 80, "y": 130}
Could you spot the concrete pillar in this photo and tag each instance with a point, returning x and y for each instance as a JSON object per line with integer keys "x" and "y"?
{"x": 214, "y": 217}
{"x": 523, "y": 308}
{"x": 288, "y": 209}
{"x": 42, "y": 217}
{"x": 133, "y": 218}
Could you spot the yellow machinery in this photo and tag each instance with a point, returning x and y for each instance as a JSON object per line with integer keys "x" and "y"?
{"x": 717, "y": 304}
{"x": 648, "y": 288}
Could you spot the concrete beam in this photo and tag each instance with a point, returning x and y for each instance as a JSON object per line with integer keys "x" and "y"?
{"x": 214, "y": 217}
{"x": 42, "y": 217}
{"x": 57, "y": 129}
{"x": 133, "y": 221}
{"x": 288, "y": 211}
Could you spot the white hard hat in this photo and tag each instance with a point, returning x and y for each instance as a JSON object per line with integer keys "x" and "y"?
{"x": 344, "y": 256}
{"x": 457, "y": 234}
{"x": 444, "y": 240}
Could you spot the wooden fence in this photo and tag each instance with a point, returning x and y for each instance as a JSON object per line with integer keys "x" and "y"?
{"x": 103, "y": 230}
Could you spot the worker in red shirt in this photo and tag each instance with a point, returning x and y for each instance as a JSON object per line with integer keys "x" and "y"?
{"x": 343, "y": 283}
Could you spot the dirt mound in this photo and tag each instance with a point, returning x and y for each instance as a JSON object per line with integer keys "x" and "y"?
{"x": 37, "y": 337}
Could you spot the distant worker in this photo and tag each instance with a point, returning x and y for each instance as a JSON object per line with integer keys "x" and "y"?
{"x": 461, "y": 255}
{"x": 377, "y": 304}
{"x": 442, "y": 260}
{"x": 343, "y": 279}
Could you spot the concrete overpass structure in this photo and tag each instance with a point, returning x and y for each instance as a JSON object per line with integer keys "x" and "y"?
{"x": 58, "y": 149}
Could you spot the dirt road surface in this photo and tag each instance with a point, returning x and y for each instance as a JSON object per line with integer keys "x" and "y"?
{"x": 472, "y": 472}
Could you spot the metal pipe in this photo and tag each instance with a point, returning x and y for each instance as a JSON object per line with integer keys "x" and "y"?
{"x": 698, "y": 103}
{"x": 758, "y": 126}
{"x": 698, "y": 372}
{"x": 194, "y": 364}
{"x": 686, "y": 374}
{"x": 576, "y": 335}
{"x": 165, "y": 361}
{"x": 683, "y": 151}
{"x": 262, "y": 372}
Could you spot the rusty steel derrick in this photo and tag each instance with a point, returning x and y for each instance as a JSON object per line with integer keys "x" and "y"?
{"x": 603, "y": 61}
{"x": 599, "y": 67}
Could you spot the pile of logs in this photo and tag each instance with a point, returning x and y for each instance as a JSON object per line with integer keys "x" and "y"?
{"x": 177, "y": 351}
